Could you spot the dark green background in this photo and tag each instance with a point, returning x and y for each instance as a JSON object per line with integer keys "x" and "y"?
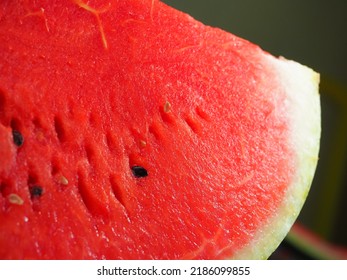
{"x": 313, "y": 33}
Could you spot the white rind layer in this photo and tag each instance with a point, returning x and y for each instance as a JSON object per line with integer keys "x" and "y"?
{"x": 303, "y": 103}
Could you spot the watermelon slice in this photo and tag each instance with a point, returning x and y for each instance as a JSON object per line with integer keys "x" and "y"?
{"x": 128, "y": 130}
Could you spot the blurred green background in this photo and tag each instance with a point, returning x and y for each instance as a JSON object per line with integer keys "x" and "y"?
{"x": 312, "y": 33}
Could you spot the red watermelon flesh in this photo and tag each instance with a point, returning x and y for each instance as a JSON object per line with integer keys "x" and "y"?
{"x": 128, "y": 130}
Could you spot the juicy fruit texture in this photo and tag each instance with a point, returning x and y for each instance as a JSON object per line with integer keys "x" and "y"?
{"x": 128, "y": 130}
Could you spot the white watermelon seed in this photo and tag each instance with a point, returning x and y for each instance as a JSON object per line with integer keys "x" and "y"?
{"x": 15, "y": 199}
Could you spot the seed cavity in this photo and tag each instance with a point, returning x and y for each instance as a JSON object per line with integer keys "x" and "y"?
{"x": 193, "y": 124}
{"x": 59, "y": 128}
{"x": 17, "y": 138}
{"x": 90, "y": 152}
{"x": 35, "y": 191}
{"x": 110, "y": 141}
{"x": 156, "y": 130}
{"x": 2, "y": 100}
{"x": 139, "y": 171}
{"x": 202, "y": 114}
{"x": 117, "y": 190}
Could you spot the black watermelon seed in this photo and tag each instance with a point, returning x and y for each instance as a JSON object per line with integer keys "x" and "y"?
{"x": 17, "y": 138}
{"x": 139, "y": 171}
{"x": 35, "y": 191}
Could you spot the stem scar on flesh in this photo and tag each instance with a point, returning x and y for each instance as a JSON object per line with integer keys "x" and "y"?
{"x": 40, "y": 13}
{"x": 96, "y": 13}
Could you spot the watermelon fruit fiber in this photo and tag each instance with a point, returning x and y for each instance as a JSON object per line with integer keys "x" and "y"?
{"x": 129, "y": 130}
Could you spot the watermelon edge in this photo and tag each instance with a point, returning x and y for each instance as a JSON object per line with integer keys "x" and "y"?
{"x": 303, "y": 100}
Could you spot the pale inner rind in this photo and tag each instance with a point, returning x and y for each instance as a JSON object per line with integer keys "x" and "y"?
{"x": 303, "y": 104}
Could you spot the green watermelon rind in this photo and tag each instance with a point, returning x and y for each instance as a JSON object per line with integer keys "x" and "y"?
{"x": 303, "y": 105}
